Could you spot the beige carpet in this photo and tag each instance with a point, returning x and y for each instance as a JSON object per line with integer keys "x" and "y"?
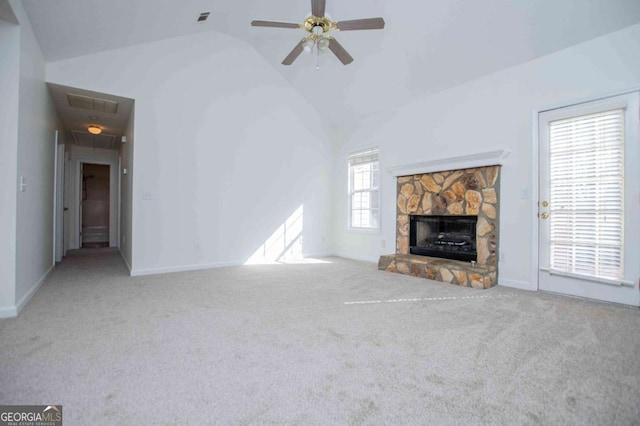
{"x": 286, "y": 344}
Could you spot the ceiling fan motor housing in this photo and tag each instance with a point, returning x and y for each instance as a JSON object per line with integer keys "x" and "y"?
{"x": 314, "y": 22}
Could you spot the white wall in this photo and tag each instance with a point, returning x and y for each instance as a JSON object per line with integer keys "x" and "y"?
{"x": 225, "y": 150}
{"x": 126, "y": 191}
{"x": 83, "y": 154}
{"x": 496, "y": 111}
{"x": 9, "y": 78}
{"x": 37, "y": 123}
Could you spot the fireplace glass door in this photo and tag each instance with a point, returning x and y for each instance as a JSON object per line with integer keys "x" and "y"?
{"x": 447, "y": 237}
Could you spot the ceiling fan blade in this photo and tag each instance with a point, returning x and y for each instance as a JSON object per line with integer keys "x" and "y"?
{"x": 294, "y": 53}
{"x": 361, "y": 24}
{"x": 274, "y": 24}
{"x": 318, "y": 8}
{"x": 339, "y": 51}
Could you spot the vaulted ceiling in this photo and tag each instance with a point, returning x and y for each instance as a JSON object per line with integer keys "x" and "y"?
{"x": 426, "y": 46}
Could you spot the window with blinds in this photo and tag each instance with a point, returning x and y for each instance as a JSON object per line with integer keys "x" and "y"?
{"x": 586, "y": 194}
{"x": 363, "y": 189}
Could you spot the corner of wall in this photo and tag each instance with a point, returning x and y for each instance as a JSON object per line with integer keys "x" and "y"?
{"x": 36, "y": 123}
{"x": 9, "y": 104}
{"x": 521, "y": 285}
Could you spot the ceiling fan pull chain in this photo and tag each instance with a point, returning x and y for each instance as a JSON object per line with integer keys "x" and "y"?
{"x": 317, "y": 58}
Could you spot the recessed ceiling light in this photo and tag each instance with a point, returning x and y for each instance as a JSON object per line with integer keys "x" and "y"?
{"x": 203, "y": 16}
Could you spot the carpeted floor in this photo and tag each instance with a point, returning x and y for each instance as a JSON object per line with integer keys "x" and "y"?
{"x": 286, "y": 344}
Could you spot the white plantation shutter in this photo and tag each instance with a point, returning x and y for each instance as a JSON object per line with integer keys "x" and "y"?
{"x": 586, "y": 202}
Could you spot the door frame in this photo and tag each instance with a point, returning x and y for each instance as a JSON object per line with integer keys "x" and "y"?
{"x": 58, "y": 200}
{"x": 535, "y": 153}
{"x": 66, "y": 201}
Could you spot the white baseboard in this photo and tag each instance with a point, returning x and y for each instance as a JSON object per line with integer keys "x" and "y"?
{"x": 522, "y": 285}
{"x": 197, "y": 267}
{"x": 182, "y": 268}
{"x": 13, "y": 311}
{"x": 8, "y": 312}
{"x": 320, "y": 254}
{"x": 360, "y": 258}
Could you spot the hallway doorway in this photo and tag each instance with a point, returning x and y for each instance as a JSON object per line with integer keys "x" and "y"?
{"x": 95, "y": 205}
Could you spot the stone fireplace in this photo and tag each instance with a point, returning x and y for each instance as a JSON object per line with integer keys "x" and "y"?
{"x": 447, "y": 227}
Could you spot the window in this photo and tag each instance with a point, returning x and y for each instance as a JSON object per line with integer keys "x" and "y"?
{"x": 364, "y": 176}
{"x": 587, "y": 194}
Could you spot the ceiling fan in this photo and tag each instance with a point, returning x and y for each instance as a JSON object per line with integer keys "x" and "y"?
{"x": 318, "y": 25}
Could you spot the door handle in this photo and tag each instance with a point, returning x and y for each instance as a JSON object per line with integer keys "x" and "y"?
{"x": 544, "y": 215}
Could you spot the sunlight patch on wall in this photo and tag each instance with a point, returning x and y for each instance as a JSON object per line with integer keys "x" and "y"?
{"x": 284, "y": 245}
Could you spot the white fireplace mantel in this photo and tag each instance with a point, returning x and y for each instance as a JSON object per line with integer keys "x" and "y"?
{"x": 467, "y": 161}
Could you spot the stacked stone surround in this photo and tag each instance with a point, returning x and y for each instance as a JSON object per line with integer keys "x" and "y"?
{"x": 457, "y": 192}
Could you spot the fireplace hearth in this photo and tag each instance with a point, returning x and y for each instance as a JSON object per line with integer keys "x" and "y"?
{"x": 446, "y": 237}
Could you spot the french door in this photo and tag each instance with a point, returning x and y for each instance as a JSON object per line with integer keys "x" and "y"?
{"x": 589, "y": 200}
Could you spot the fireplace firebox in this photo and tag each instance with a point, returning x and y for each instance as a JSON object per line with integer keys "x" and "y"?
{"x": 448, "y": 237}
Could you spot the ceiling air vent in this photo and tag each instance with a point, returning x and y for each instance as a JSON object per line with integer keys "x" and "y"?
{"x": 203, "y": 16}
{"x": 92, "y": 104}
{"x": 104, "y": 141}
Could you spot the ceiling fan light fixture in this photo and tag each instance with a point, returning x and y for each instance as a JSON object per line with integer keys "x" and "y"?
{"x": 94, "y": 130}
{"x": 323, "y": 44}
{"x": 308, "y": 45}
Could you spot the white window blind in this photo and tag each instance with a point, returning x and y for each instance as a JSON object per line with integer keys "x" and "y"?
{"x": 363, "y": 189}
{"x": 586, "y": 199}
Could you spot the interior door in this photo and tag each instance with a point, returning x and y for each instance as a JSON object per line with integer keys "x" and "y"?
{"x": 589, "y": 200}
